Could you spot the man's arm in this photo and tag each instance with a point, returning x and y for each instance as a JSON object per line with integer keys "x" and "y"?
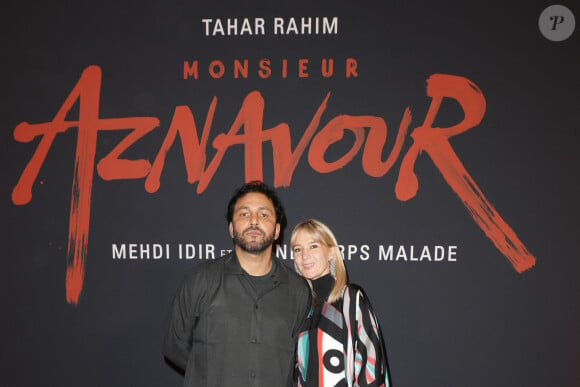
{"x": 304, "y": 308}
{"x": 182, "y": 319}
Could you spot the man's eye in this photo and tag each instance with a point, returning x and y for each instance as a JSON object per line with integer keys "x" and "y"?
{"x": 296, "y": 250}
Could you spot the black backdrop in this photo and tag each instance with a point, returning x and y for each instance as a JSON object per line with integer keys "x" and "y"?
{"x": 470, "y": 319}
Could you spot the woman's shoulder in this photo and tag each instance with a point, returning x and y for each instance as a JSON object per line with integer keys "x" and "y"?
{"x": 354, "y": 289}
{"x": 357, "y": 296}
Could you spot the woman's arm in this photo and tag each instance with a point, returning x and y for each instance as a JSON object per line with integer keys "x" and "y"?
{"x": 370, "y": 363}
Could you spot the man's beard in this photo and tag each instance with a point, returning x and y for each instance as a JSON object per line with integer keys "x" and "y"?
{"x": 254, "y": 246}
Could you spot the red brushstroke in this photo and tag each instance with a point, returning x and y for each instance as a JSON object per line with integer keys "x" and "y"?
{"x": 87, "y": 92}
{"x": 434, "y": 141}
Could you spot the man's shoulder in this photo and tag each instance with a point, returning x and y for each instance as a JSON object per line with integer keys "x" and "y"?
{"x": 286, "y": 268}
{"x": 208, "y": 266}
{"x": 294, "y": 279}
{"x": 203, "y": 274}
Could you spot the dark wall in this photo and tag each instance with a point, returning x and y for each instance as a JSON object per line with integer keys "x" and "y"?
{"x": 498, "y": 196}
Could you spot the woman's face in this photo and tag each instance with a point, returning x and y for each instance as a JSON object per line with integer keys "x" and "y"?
{"x": 310, "y": 256}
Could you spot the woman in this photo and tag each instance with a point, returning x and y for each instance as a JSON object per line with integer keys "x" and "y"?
{"x": 341, "y": 343}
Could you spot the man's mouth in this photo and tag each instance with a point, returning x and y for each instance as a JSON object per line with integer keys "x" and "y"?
{"x": 254, "y": 233}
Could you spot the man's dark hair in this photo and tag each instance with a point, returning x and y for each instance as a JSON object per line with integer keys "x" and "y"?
{"x": 259, "y": 187}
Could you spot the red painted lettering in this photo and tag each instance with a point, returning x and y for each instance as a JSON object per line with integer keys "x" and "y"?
{"x": 434, "y": 141}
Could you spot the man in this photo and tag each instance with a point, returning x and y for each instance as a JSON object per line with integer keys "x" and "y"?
{"x": 235, "y": 320}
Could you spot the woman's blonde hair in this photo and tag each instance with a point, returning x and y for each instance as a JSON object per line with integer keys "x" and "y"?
{"x": 322, "y": 234}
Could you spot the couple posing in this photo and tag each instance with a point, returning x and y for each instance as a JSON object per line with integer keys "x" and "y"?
{"x": 247, "y": 319}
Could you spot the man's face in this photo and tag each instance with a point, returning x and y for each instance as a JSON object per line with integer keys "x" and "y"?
{"x": 253, "y": 226}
